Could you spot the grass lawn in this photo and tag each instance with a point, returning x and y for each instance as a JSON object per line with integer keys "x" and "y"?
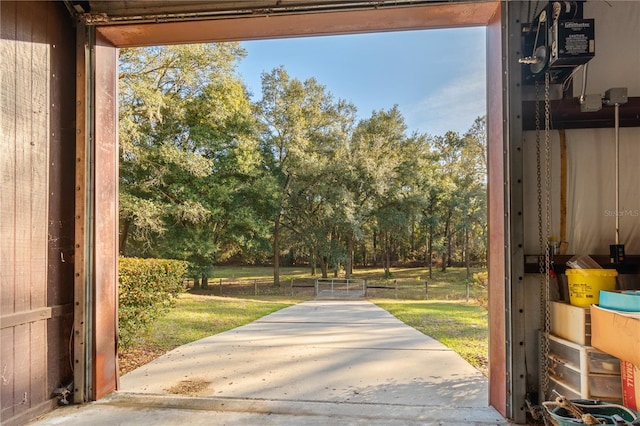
{"x": 194, "y": 317}
{"x": 445, "y": 315}
{"x": 460, "y": 326}
{"x": 412, "y": 283}
{"x": 260, "y": 273}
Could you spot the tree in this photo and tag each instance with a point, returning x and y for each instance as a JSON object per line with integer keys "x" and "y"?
{"x": 475, "y": 156}
{"x": 189, "y": 158}
{"x": 206, "y": 176}
{"x": 462, "y": 203}
{"x": 301, "y": 124}
{"x": 383, "y": 178}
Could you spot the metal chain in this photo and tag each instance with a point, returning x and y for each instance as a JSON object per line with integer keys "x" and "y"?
{"x": 547, "y": 234}
{"x": 535, "y": 10}
{"x": 544, "y": 364}
{"x": 539, "y": 185}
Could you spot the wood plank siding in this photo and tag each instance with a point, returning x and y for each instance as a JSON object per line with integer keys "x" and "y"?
{"x": 36, "y": 205}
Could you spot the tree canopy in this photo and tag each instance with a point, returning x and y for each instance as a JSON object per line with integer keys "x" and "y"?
{"x": 209, "y": 176}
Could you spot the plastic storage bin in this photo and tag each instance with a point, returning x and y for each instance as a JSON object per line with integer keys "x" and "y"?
{"x": 585, "y": 285}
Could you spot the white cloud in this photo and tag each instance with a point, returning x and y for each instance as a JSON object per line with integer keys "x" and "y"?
{"x": 451, "y": 107}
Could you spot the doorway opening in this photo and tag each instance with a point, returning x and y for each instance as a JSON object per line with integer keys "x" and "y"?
{"x": 111, "y": 37}
{"x": 377, "y": 184}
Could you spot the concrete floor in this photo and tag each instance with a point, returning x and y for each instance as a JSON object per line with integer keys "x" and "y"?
{"x": 319, "y": 362}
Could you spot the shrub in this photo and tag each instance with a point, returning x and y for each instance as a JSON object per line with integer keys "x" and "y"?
{"x": 147, "y": 289}
{"x": 481, "y": 280}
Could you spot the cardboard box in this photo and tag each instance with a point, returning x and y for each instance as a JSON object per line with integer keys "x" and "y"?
{"x": 616, "y": 333}
{"x": 630, "y": 385}
{"x": 571, "y": 323}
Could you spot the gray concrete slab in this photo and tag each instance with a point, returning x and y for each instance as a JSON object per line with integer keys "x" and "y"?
{"x": 348, "y": 362}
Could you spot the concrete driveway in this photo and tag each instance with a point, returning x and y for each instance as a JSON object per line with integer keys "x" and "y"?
{"x": 319, "y": 362}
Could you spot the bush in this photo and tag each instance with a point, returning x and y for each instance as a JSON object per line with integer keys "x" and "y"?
{"x": 147, "y": 289}
{"x": 481, "y": 280}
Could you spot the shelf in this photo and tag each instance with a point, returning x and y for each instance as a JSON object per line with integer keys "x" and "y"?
{"x": 631, "y": 266}
{"x": 566, "y": 114}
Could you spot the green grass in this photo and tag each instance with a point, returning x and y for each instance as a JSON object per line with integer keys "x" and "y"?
{"x": 195, "y": 317}
{"x": 260, "y": 273}
{"x": 449, "y": 285}
{"x": 460, "y": 326}
{"x": 445, "y": 316}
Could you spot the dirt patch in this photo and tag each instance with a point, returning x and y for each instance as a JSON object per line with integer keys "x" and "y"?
{"x": 135, "y": 357}
{"x": 481, "y": 363}
{"x": 193, "y": 387}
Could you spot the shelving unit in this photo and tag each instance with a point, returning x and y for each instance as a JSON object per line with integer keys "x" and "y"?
{"x": 579, "y": 371}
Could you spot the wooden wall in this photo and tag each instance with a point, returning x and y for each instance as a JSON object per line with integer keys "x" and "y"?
{"x": 37, "y": 152}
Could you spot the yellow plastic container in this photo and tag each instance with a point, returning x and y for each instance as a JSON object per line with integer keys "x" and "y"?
{"x": 585, "y": 285}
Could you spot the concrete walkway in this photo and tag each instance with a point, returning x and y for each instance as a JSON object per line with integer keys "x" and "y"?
{"x": 319, "y": 362}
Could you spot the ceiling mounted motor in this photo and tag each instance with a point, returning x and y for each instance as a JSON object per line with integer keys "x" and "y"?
{"x": 557, "y": 41}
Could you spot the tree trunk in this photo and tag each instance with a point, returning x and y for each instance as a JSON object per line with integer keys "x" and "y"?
{"x": 430, "y": 257}
{"x": 123, "y": 236}
{"x": 412, "y": 248}
{"x": 313, "y": 262}
{"x": 365, "y": 260}
{"x": 324, "y": 267}
{"x": 426, "y": 249}
{"x": 387, "y": 255}
{"x": 205, "y": 282}
{"x": 375, "y": 249}
{"x": 449, "y": 251}
{"x": 196, "y": 283}
{"x": 466, "y": 252}
{"x": 394, "y": 248}
{"x": 430, "y": 251}
{"x": 276, "y": 251}
{"x": 348, "y": 266}
{"x": 447, "y": 239}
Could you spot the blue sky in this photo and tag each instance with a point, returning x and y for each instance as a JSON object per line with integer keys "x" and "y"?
{"x": 436, "y": 77}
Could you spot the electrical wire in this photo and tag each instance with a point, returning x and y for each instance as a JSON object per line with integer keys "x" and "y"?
{"x": 567, "y": 81}
{"x": 617, "y": 170}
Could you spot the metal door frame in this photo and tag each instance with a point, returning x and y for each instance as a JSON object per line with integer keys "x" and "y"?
{"x": 96, "y": 182}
